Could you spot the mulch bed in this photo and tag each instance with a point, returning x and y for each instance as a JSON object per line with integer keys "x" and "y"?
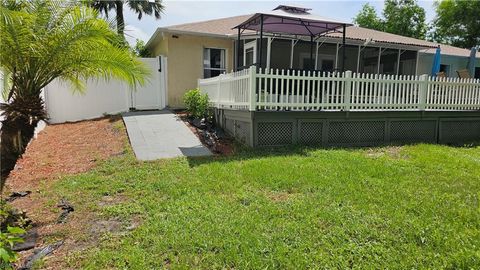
{"x": 223, "y": 146}
{"x": 66, "y": 149}
{"x": 59, "y": 150}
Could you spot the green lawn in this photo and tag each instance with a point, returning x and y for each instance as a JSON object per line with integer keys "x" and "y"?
{"x": 393, "y": 207}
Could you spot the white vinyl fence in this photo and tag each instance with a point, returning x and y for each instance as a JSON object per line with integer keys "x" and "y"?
{"x": 106, "y": 97}
{"x": 347, "y": 91}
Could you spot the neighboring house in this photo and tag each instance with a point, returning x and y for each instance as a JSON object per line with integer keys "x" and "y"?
{"x": 206, "y": 49}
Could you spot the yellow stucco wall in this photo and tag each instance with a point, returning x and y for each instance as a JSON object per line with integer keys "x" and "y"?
{"x": 185, "y": 61}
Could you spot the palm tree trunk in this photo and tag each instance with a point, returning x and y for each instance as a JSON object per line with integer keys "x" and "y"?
{"x": 21, "y": 117}
{"x": 119, "y": 16}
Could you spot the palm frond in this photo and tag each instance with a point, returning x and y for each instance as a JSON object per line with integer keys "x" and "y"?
{"x": 48, "y": 39}
{"x": 141, "y": 7}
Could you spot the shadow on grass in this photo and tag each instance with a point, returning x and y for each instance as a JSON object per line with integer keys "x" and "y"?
{"x": 247, "y": 153}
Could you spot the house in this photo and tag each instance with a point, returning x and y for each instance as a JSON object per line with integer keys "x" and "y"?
{"x": 208, "y": 48}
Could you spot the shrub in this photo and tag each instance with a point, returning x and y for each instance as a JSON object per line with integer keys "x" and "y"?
{"x": 196, "y": 103}
{"x": 8, "y": 238}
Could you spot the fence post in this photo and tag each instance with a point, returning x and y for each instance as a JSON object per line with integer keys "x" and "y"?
{"x": 219, "y": 78}
{"x": 422, "y": 92}
{"x": 252, "y": 88}
{"x": 348, "y": 90}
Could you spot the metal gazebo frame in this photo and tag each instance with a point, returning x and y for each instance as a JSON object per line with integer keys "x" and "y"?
{"x": 294, "y": 21}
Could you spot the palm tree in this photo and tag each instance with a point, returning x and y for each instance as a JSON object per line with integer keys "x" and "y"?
{"x": 43, "y": 40}
{"x": 140, "y": 7}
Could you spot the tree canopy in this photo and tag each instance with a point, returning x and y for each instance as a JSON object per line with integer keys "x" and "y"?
{"x": 402, "y": 17}
{"x": 368, "y": 18}
{"x": 140, "y": 7}
{"x": 44, "y": 40}
{"x": 457, "y": 23}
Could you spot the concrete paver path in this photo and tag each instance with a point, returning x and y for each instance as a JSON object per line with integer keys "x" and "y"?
{"x": 161, "y": 134}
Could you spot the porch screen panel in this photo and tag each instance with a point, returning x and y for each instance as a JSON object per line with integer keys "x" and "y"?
{"x": 301, "y": 55}
{"x": 388, "y": 61}
{"x": 351, "y": 55}
{"x": 326, "y": 57}
{"x": 369, "y": 60}
{"x": 280, "y": 54}
{"x": 239, "y": 54}
{"x": 407, "y": 63}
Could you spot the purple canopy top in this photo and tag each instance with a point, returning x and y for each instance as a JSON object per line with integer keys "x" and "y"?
{"x": 292, "y": 20}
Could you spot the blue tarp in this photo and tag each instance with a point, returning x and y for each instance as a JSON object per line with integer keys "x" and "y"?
{"x": 436, "y": 62}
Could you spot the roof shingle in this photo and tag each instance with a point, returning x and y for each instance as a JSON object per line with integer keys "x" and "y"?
{"x": 224, "y": 28}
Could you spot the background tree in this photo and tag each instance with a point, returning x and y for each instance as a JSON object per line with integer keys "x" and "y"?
{"x": 402, "y": 17}
{"x": 368, "y": 18}
{"x": 457, "y": 23}
{"x": 405, "y": 17}
{"x": 44, "y": 40}
{"x": 140, "y": 50}
{"x": 140, "y": 7}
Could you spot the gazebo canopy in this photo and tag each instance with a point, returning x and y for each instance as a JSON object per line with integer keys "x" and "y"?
{"x": 293, "y": 21}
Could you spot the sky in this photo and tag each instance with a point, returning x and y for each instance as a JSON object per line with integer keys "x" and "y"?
{"x": 180, "y": 11}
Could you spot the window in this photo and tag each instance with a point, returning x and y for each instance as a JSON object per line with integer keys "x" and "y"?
{"x": 445, "y": 69}
{"x": 477, "y": 73}
{"x": 213, "y": 62}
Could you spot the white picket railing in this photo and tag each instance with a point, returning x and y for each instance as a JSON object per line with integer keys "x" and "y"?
{"x": 306, "y": 90}
{"x": 228, "y": 90}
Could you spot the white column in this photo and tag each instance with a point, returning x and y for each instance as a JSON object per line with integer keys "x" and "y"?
{"x": 336, "y": 58}
{"x": 398, "y": 61}
{"x": 252, "y": 99}
{"x": 348, "y": 90}
{"x": 291, "y": 54}
{"x": 358, "y": 57}
{"x": 316, "y": 56}
{"x": 378, "y": 62}
{"x": 422, "y": 98}
{"x": 416, "y": 63}
{"x": 269, "y": 51}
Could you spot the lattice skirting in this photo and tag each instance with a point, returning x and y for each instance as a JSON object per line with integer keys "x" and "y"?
{"x": 277, "y": 129}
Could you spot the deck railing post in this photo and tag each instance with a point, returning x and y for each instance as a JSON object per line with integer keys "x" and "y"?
{"x": 422, "y": 92}
{"x": 219, "y": 78}
{"x": 252, "y": 88}
{"x": 347, "y": 90}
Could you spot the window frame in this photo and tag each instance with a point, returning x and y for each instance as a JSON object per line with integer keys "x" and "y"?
{"x": 224, "y": 60}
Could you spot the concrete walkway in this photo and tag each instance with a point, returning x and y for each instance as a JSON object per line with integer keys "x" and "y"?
{"x": 160, "y": 134}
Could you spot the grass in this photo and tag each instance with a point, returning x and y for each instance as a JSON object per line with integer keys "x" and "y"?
{"x": 393, "y": 207}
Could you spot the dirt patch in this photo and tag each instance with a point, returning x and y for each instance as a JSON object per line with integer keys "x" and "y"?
{"x": 112, "y": 200}
{"x": 113, "y": 226}
{"x": 59, "y": 150}
{"x": 224, "y": 146}
{"x": 278, "y": 196}
{"x": 389, "y": 151}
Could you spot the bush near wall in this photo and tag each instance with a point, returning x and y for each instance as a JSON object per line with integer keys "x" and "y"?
{"x": 196, "y": 103}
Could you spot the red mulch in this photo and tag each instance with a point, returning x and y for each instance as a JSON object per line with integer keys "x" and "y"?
{"x": 61, "y": 149}
{"x": 66, "y": 149}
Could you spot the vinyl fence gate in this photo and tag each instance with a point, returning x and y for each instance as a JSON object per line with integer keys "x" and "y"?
{"x": 107, "y": 97}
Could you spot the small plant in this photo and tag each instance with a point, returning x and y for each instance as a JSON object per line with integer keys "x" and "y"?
{"x": 7, "y": 240}
{"x": 196, "y": 103}
{"x": 10, "y": 234}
